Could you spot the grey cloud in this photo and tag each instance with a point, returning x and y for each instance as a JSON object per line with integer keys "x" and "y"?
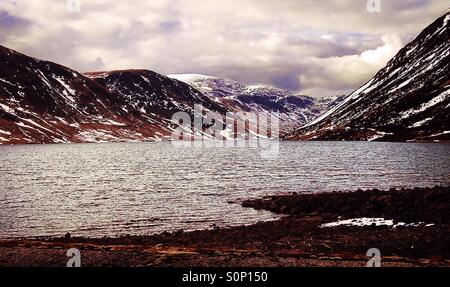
{"x": 170, "y": 26}
{"x": 11, "y": 25}
{"x": 9, "y": 21}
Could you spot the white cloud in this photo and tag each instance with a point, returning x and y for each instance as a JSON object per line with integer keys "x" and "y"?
{"x": 340, "y": 73}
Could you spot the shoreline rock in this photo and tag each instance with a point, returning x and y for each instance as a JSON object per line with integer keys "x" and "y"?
{"x": 431, "y": 205}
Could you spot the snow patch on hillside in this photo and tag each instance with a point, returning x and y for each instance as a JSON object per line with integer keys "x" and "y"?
{"x": 6, "y": 109}
{"x": 68, "y": 91}
{"x": 367, "y": 221}
{"x": 434, "y": 101}
{"x": 190, "y": 78}
{"x": 5, "y": 132}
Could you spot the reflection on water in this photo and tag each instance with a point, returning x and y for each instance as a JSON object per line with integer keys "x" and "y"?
{"x": 142, "y": 188}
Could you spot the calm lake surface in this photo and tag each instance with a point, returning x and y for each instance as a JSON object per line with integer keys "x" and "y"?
{"x": 143, "y": 188}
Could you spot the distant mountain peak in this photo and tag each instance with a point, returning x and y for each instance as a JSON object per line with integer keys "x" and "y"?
{"x": 190, "y": 78}
{"x": 293, "y": 109}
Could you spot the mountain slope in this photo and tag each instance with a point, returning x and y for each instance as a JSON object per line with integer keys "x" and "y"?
{"x": 405, "y": 101}
{"x": 294, "y": 110}
{"x": 43, "y": 102}
{"x": 153, "y": 94}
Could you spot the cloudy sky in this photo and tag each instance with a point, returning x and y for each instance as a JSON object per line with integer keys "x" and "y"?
{"x": 315, "y": 47}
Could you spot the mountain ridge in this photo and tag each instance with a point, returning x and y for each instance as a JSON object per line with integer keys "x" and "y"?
{"x": 44, "y": 102}
{"x": 293, "y": 109}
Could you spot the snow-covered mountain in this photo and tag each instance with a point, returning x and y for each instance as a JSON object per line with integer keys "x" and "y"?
{"x": 294, "y": 110}
{"x": 408, "y": 100}
{"x": 154, "y": 96}
{"x": 43, "y": 102}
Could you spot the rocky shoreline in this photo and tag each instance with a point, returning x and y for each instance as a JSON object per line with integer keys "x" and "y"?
{"x": 298, "y": 239}
{"x": 412, "y": 205}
